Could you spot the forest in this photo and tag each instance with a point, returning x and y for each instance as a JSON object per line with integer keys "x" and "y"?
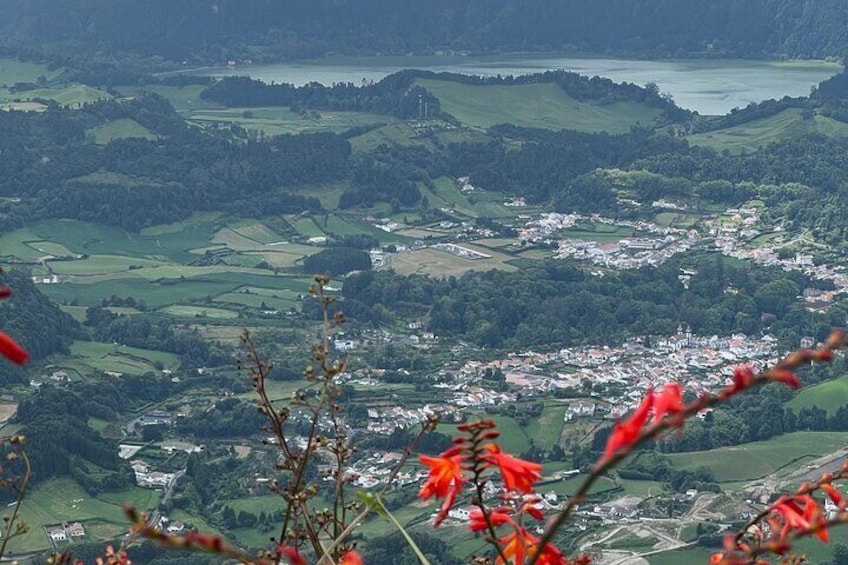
{"x": 557, "y": 303}
{"x": 200, "y": 33}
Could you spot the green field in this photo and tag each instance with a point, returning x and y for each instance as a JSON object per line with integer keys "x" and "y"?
{"x": 751, "y": 136}
{"x": 280, "y": 121}
{"x": 99, "y": 261}
{"x": 13, "y": 71}
{"x": 185, "y": 311}
{"x": 119, "y": 129}
{"x": 754, "y": 460}
{"x": 541, "y": 105}
{"x": 74, "y": 95}
{"x": 392, "y": 134}
{"x": 57, "y": 500}
{"x": 695, "y": 556}
{"x": 94, "y": 356}
{"x": 547, "y": 428}
{"x": 829, "y": 395}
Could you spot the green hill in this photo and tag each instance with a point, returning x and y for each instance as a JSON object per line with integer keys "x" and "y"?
{"x": 757, "y": 459}
{"x": 539, "y": 105}
{"x": 750, "y": 136}
{"x": 829, "y": 396}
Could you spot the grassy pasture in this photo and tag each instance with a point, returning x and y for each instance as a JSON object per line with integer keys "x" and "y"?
{"x": 61, "y": 499}
{"x": 186, "y": 311}
{"x": 255, "y": 230}
{"x": 93, "y": 356}
{"x": 535, "y": 105}
{"x": 101, "y": 265}
{"x": 119, "y": 129}
{"x": 224, "y": 334}
{"x": 13, "y": 71}
{"x": 280, "y": 121}
{"x": 547, "y": 428}
{"x": 168, "y": 285}
{"x": 307, "y": 227}
{"x": 185, "y": 99}
{"x": 74, "y": 95}
{"x": 829, "y": 396}
{"x": 280, "y": 300}
{"x": 50, "y": 248}
{"x": 757, "y": 459}
{"x": 393, "y": 134}
{"x": 155, "y": 294}
{"x": 751, "y": 136}
{"x": 438, "y": 263}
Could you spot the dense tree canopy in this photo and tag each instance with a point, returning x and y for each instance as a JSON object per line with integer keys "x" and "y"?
{"x": 199, "y": 32}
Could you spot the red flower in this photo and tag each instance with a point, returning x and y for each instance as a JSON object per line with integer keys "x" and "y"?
{"x": 785, "y": 377}
{"x": 478, "y": 520}
{"x": 669, "y": 401}
{"x": 834, "y": 495}
{"x": 522, "y": 545}
{"x": 517, "y": 474}
{"x": 743, "y": 377}
{"x": 445, "y": 481}
{"x": 801, "y": 513}
{"x": 624, "y": 434}
{"x": 10, "y": 349}
{"x": 445, "y": 473}
{"x": 291, "y": 554}
{"x": 351, "y": 558}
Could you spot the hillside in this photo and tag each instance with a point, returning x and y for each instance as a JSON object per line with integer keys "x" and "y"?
{"x": 536, "y": 106}
{"x": 270, "y": 30}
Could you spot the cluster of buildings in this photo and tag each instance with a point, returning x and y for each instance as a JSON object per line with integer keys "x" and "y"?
{"x": 66, "y": 531}
{"x": 146, "y": 476}
{"x": 733, "y": 234}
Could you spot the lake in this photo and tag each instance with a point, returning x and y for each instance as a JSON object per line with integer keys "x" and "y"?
{"x": 708, "y": 86}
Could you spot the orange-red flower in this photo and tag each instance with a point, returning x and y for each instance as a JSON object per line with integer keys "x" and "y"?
{"x": 624, "y": 434}
{"x": 478, "y": 519}
{"x": 743, "y": 377}
{"x": 522, "y": 545}
{"x": 834, "y": 495}
{"x": 293, "y": 557}
{"x": 10, "y": 349}
{"x": 801, "y": 513}
{"x": 668, "y": 401}
{"x": 351, "y": 558}
{"x": 517, "y": 474}
{"x": 445, "y": 473}
{"x": 445, "y": 480}
{"x": 785, "y": 377}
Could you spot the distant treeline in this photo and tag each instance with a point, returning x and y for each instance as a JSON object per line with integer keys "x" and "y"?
{"x": 394, "y": 95}
{"x": 397, "y": 94}
{"x": 555, "y": 302}
{"x": 197, "y": 32}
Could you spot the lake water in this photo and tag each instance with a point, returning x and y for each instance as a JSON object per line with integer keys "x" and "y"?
{"x": 706, "y": 86}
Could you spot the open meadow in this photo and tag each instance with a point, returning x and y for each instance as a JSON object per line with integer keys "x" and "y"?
{"x": 755, "y": 460}
{"x": 63, "y": 500}
{"x": 539, "y": 105}
{"x": 829, "y": 396}
{"x": 750, "y": 136}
